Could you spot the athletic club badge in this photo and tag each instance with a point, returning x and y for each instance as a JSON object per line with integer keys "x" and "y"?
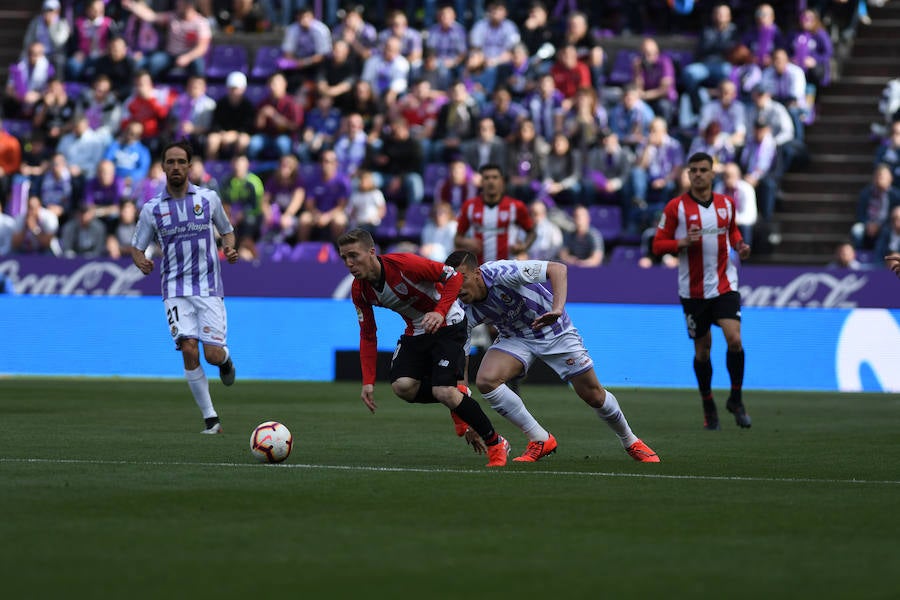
{"x": 722, "y": 212}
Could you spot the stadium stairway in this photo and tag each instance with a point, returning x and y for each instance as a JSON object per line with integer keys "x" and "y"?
{"x": 817, "y": 202}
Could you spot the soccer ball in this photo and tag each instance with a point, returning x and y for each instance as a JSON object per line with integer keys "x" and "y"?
{"x": 271, "y": 442}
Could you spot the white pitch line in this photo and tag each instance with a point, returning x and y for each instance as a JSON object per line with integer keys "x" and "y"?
{"x": 75, "y": 461}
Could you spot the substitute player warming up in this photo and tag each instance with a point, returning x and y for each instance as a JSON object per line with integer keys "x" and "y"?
{"x": 183, "y": 219}
{"x": 532, "y": 323}
{"x": 700, "y": 227}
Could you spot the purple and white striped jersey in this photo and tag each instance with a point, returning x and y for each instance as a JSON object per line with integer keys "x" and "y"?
{"x": 515, "y": 299}
{"x": 184, "y": 229}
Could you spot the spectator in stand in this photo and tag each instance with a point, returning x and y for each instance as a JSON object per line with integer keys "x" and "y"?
{"x": 439, "y": 232}
{"x": 845, "y": 258}
{"x": 366, "y": 207}
{"x": 36, "y": 156}
{"x": 105, "y": 192}
{"x": 811, "y": 50}
{"x": 569, "y": 75}
{"x": 192, "y": 114}
{"x": 779, "y": 120}
{"x": 56, "y": 188}
{"x": 153, "y": 184}
{"x": 83, "y": 149}
{"x": 583, "y": 247}
{"x": 888, "y": 241}
{"x": 456, "y": 123}
{"x": 495, "y": 35}
{"x": 84, "y": 235}
{"x": 650, "y": 259}
{"x": 487, "y": 148}
{"x": 479, "y": 79}
{"x": 397, "y": 166}
{"x": 339, "y": 73}
{"x": 786, "y": 82}
{"x": 149, "y": 106}
{"x": 519, "y": 75}
{"x": 745, "y": 75}
{"x": 283, "y": 200}
{"x": 320, "y": 129}
{"x": 142, "y": 38}
{"x": 410, "y": 46}
{"x": 28, "y": 80}
{"x": 242, "y": 197}
{"x": 352, "y": 145}
{"x": 562, "y": 173}
{"x": 232, "y": 120}
{"x": 199, "y": 176}
{"x": 489, "y": 225}
{"x": 505, "y": 113}
{"x": 36, "y": 230}
{"x": 875, "y": 204}
{"x": 327, "y": 194}
{"x": 447, "y": 38}
{"x": 729, "y": 112}
{"x": 757, "y": 161}
{"x": 742, "y": 195}
{"x": 458, "y": 186}
{"x": 387, "y": 72}
{"x": 654, "y": 77}
{"x": 100, "y": 107}
{"x": 630, "y": 118}
{"x": 546, "y": 107}
{"x": 188, "y": 37}
{"x": 119, "y": 243}
{"x": 7, "y": 230}
{"x": 888, "y": 152}
{"x": 764, "y": 37}
{"x": 711, "y": 66}
{"x": 537, "y": 32}
{"x": 278, "y": 121}
{"x": 549, "y": 237}
{"x": 431, "y": 71}
{"x": 608, "y": 172}
{"x": 420, "y": 108}
{"x": 364, "y": 103}
{"x": 360, "y": 36}
{"x": 578, "y": 33}
{"x": 117, "y": 67}
{"x": 655, "y": 176}
{"x": 526, "y": 162}
{"x": 585, "y": 123}
{"x": 306, "y": 44}
{"x": 89, "y": 41}
{"x": 10, "y": 160}
{"x": 131, "y": 157}
{"x": 52, "y": 31}
{"x": 54, "y": 113}
{"x": 715, "y": 142}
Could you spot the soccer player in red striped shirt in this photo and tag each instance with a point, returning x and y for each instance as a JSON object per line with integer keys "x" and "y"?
{"x": 700, "y": 227}
{"x": 430, "y": 357}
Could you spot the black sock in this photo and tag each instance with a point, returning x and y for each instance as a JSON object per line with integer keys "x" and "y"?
{"x": 211, "y": 421}
{"x": 735, "y": 363}
{"x": 703, "y": 371}
{"x": 470, "y": 412}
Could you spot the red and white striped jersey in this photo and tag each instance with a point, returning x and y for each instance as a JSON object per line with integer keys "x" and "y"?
{"x": 411, "y": 286}
{"x": 495, "y": 226}
{"x": 705, "y": 270}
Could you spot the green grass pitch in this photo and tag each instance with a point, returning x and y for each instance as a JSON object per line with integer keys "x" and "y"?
{"x": 108, "y": 490}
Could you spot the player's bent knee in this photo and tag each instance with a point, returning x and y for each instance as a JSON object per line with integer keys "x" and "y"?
{"x": 405, "y": 389}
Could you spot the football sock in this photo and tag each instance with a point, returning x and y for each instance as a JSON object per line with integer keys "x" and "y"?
{"x": 735, "y": 363}
{"x": 470, "y": 412}
{"x": 196, "y": 379}
{"x": 508, "y": 404}
{"x": 615, "y": 418}
{"x": 211, "y": 421}
{"x": 703, "y": 371}
{"x": 227, "y": 355}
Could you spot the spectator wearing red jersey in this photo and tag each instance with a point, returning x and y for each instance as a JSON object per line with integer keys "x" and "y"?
{"x": 489, "y": 224}
{"x": 700, "y": 227}
{"x": 569, "y": 74}
{"x": 149, "y": 105}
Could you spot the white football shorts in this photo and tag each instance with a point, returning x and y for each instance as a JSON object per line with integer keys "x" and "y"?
{"x": 198, "y": 317}
{"x": 564, "y": 353}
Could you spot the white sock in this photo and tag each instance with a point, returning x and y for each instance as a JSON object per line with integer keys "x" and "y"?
{"x": 615, "y": 418}
{"x": 227, "y": 356}
{"x": 508, "y": 404}
{"x": 196, "y": 379}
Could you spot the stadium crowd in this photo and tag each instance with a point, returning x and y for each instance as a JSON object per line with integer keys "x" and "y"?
{"x": 382, "y": 117}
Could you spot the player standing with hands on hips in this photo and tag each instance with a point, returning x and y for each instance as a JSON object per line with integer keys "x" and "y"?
{"x": 183, "y": 218}
{"x": 430, "y": 356}
{"x": 700, "y": 227}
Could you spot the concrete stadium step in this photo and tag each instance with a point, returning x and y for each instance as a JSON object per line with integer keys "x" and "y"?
{"x": 822, "y": 140}
{"x": 808, "y": 202}
{"x": 858, "y": 85}
{"x": 847, "y": 123}
{"x": 816, "y": 223}
{"x": 842, "y": 104}
{"x": 870, "y": 47}
{"x": 880, "y": 66}
{"x": 834, "y": 183}
{"x": 838, "y": 163}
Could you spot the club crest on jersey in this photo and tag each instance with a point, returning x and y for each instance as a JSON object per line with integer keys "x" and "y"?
{"x": 505, "y": 298}
{"x": 722, "y": 212}
{"x": 174, "y": 331}
{"x": 198, "y": 209}
{"x": 401, "y": 288}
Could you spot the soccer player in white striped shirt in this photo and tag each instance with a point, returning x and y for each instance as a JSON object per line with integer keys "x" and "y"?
{"x": 183, "y": 219}
{"x": 533, "y": 323}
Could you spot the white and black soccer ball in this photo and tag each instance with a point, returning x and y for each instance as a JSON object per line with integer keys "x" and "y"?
{"x": 271, "y": 442}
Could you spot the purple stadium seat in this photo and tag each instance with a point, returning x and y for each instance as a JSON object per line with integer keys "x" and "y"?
{"x": 622, "y": 71}
{"x": 387, "y": 230}
{"x": 308, "y": 171}
{"x": 18, "y": 196}
{"x": 625, "y": 254}
{"x": 265, "y": 63}
{"x": 216, "y": 91}
{"x": 433, "y": 173}
{"x": 218, "y": 169}
{"x": 414, "y": 221}
{"x": 320, "y": 252}
{"x": 74, "y": 89}
{"x": 256, "y": 93}
{"x": 225, "y": 58}
{"x": 20, "y": 128}
{"x": 608, "y": 221}
{"x": 680, "y": 58}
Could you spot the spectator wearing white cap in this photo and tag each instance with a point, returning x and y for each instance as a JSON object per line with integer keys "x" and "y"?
{"x": 232, "y": 121}
{"x": 51, "y": 30}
